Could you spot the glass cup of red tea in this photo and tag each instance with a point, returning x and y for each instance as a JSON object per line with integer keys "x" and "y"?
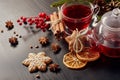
{"x": 77, "y": 15}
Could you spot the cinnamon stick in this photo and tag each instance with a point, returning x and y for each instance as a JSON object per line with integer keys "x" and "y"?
{"x": 56, "y": 26}
{"x": 52, "y": 19}
{"x": 61, "y": 25}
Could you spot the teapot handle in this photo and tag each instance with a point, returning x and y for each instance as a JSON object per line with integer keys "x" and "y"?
{"x": 96, "y": 10}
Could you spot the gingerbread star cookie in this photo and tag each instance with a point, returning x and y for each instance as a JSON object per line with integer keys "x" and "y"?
{"x": 37, "y": 61}
{"x": 70, "y": 40}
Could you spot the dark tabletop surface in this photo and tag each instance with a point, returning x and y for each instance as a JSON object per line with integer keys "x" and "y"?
{"x": 11, "y": 58}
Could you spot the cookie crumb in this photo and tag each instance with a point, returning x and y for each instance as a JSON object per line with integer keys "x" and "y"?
{"x": 37, "y": 76}
{"x": 31, "y": 47}
{"x": 36, "y": 46}
{"x": 2, "y": 31}
{"x": 17, "y": 35}
{"x": 14, "y": 32}
{"x": 20, "y": 36}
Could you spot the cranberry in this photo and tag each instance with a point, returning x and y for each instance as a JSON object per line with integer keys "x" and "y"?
{"x": 20, "y": 23}
{"x": 39, "y": 20}
{"x": 42, "y": 14}
{"x": 30, "y": 23}
{"x": 38, "y": 25}
{"x": 47, "y": 18}
{"x": 24, "y": 19}
{"x": 30, "y": 19}
{"x": 36, "y": 22}
{"x": 21, "y": 17}
{"x": 18, "y": 20}
{"x": 46, "y": 25}
{"x": 43, "y": 29}
{"x": 36, "y": 19}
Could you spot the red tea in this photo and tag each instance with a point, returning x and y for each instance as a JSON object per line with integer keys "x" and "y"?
{"x": 77, "y": 16}
{"x": 109, "y": 46}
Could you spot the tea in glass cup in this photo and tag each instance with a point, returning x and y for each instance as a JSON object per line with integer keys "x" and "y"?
{"x": 77, "y": 15}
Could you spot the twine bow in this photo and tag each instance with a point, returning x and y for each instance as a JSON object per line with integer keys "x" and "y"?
{"x": 78, "y": 40}
{"x": 55, "y": 21}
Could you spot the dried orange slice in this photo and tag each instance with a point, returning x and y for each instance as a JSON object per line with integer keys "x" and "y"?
{"x": 88, "y": 54}
{"x": 71, "y": 61}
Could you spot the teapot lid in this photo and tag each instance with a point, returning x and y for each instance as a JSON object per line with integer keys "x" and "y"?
{"x": 112, "y": 19}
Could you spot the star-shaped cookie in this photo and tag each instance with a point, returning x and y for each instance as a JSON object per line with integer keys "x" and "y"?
{"x": 37, "y": 61}
{"x": 71, "y": 40}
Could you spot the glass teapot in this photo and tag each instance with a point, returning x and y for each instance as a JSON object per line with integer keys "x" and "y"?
{"x": 105, "y": 35}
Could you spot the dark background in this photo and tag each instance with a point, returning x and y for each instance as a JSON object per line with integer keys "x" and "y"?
{"x": 11, "y": 58}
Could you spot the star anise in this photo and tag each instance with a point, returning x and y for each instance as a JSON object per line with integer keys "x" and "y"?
{"x": 43, "y": 40}
{"x": 13, "y": 41}
{"x": 55, "y": 47}
{"x": 54, "y": 67}
{"x": 9, "y": 25}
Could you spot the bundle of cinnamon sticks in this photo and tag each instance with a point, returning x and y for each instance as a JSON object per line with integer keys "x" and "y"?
{"x": 58, "y": 28}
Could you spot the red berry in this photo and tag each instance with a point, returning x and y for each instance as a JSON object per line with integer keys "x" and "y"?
{"x": 41, "y": 19}
{"x": 33, "y": 21}
{"x": 30, "y": 19}
{"x": 18, "y": 20}
{"x": 21, "y": 17}
{"x": 20, "y": 24}
{"x": 24, "y": 19}
{"x": 47, "y": 18}
{"x": 42, "y": 14}
{"x": 30, "y": 23}
{"x": 46, "y": 25}
{"x": 43, "y": 30}
{"x": 38, "y": 25}
{"x": 36, "y": 19}
{"x": 41, "y": 22}
{"x": 36, "y": 22}
{"x": 42, "y": 27}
